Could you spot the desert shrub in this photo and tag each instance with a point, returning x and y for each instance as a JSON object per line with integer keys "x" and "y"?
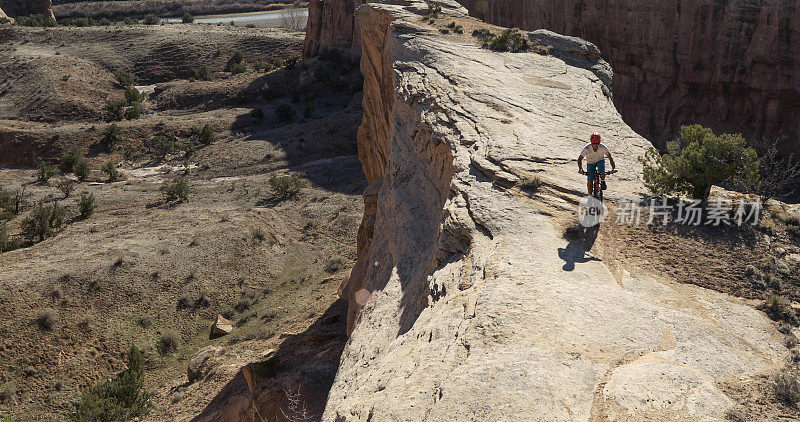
{"x": 4, "y": 21}
{"x": 124, "y": 79}
{"x": 104, "y": 22}
{"x": 130, "y": 20}
{"x": 145, "y": 321}
{"x": 777, "y": 175}
{"x": 69, "y": 158}
{"x": 161, "y": 145}
{"x": 243, "y": 305}
{"x": 110, "y": 169}
{"x": 777, "y": 308}
{"x": 47, "y": 320}
{"x": 82, "y": 169}
{"x": 6, "y": 204}
{"x": 132, "y": 95}
{"x": 755, "y": 276}
{"x": 278, "y": 63}
{"x": 45, "y": 173}
{"x": 434, "y": 9}
{"x": 115, "y": 109}
{"x": 238, "y": 68}
{"x": 257, "y": 113}
{"x": 530, "y": 184}
{"x": 444, "y": 30}
{"x": 458, "y": 29}
{"x": 66, "y": 187}
{"x": 203, "y": 73}
{"x": 787, "y": 388}
{"x": 335, "y": 264}
{"x": 207, "y": 135}
{"x": 267, "y": 92}
{"x": 43, "y": 220}
{"x": 87, "y": 205}
{"x": 169, "y": 342}
{"x": 112, "y": 136}
{"x": 121, "y": 398}
{"x": 36, "y": 20}
{"x": 250, "y": 25}
{"x": 81, "y": 21}
{"x": 187, "y": 18}
{"x": 291, "y": 62}
{"x": 4, "y": 237}
{"x": 703, "y": 160}
{"x": 284, "y": 112}
{"x": 509, "y": 40}
{"x": 11, "y": 202}
{"x": 236, "y": 58}
{"x": 482, "y": 33}
{"x": 287, "y": 186}
{"x": 183, "y": 303}
{"x": 132, "y": 113}
{"x": 150, "y": 19}
{"x": 175, "y": 190}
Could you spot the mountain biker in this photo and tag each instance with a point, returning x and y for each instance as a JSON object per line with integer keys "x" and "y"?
{"x": 595, "y": 154}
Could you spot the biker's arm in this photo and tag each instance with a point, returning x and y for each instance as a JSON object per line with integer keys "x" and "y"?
{"x": 580, "y": 163}
{"x": 611, "y": 159}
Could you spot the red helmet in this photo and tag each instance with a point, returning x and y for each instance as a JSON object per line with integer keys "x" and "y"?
{"x": 595, "y": 138}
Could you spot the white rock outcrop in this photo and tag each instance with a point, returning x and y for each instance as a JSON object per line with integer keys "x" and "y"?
{"x": 466, "y": 303}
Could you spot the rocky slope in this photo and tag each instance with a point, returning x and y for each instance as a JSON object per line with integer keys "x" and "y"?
{"x": 465, "y": 303}
{"x": 14, "y": 8}
{"x": 727, "y": 64}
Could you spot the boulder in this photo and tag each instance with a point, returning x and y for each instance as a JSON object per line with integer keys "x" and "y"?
{"x": 202, "y": 362}
{"x": 221, "y": 327}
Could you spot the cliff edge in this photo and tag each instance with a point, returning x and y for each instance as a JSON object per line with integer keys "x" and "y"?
{"x": 14, "y": 8}
{"x": 466, "y": 303}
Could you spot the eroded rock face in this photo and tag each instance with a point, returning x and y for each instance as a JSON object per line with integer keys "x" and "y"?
{"x": 731, "y": 65}
{"x": 466, "y": 303}
{"x": 331, "y": 25}
{"x": 14, "y": 8}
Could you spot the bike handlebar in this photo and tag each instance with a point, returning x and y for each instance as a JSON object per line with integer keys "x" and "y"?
{"x": 594, "y": 172}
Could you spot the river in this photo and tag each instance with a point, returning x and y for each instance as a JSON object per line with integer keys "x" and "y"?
{"x": 265, "y": 18}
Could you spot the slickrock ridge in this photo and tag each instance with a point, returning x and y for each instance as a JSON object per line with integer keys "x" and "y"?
{"x": 14, "y": 8}
{"x": 461, "y": 304}
{"x": 729, "y": 65}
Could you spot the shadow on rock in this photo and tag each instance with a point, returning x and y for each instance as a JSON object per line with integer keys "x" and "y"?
{"x": 290, "y": 383}
{"x": 581, "y": 240}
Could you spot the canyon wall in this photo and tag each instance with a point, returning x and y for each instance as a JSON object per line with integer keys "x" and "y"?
{"x": 331, "y": 24}
{"x": 14, "y": 8}
{"x": 731, "y": 64}
{"x": 465, "y": 302}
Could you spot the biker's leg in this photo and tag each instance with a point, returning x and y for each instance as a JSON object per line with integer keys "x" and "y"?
{"x": 591, "y": 173}
{"x": 601, "y": 168}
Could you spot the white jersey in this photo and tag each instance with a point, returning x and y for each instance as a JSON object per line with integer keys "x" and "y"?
{"x": 593, "y": 156}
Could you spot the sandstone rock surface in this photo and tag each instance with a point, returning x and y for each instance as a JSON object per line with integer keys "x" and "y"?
{"x": 14, "y": 8}
{"x": 202, "y": 362}
{"x": 730, "y": 65}
{"x": 221, "y": 326}
{"x": 465, "y": 302}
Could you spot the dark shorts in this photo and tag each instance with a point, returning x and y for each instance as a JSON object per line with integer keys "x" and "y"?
{"x": 592, "y": 169}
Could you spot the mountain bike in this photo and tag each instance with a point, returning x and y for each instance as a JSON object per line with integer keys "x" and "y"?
{"x": 597, "y": 193}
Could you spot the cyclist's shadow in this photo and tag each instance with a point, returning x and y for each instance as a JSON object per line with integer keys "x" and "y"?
{"x": 581, "y": 241}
